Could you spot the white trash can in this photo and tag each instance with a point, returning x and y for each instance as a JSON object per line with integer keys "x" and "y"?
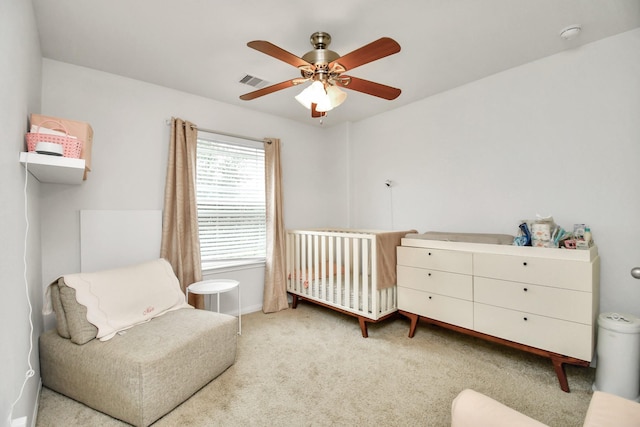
{"x": 618, "y": 350}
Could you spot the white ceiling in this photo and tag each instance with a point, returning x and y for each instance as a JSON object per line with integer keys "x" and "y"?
{"x": 199, "y": 46}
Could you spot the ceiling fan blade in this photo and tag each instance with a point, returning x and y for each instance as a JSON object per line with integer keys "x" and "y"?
{"x": 270, "y": 89}
{"x": 370, "y": 88}
{"x": 278, "y": 53}
{"x": 375, "y": 50}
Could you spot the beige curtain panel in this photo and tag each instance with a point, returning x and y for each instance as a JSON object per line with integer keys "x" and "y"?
{"x": 180, "y": 240}
{"x": 275, "y": 290}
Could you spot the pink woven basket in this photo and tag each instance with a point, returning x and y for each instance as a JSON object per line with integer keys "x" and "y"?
{"x": 72, "y": 146}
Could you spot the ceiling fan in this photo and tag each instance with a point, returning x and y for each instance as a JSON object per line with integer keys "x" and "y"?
{"x": 325, "y": 68}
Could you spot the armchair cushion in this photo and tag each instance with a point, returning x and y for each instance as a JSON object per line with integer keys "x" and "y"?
{"x": 608, "y": 409}
{"x": 79, "y": 330}
{"x": 61, "y": 318}
{"x": 473, "y": 409}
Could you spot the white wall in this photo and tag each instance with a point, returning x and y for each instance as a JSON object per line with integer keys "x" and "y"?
{"x": 559, "y": 136}
{"x": 20, "y": 70}
{"x": 130, "y": 157}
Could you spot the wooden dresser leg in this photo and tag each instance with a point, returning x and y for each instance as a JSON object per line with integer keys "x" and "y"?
{"x": 363, "y": 327}
{"x": 558, "y": 365}
{"x": 414, "y": 325}
{"x": 414, "y": 318}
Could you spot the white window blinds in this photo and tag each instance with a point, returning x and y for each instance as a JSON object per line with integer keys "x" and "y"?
{"x": 230, "y": 194}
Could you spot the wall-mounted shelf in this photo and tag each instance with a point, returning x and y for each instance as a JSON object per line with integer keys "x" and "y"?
{"x": 54, "y": 169}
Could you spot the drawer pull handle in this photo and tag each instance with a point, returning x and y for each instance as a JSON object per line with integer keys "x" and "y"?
{"x": 525, "y": 319}
{"x": 524, "y": 263}
{"x": 525, "y": 289}
{"x": 429, "y": 297}
{"x": 429, "y": 274}
{"x": 429, "y": 253}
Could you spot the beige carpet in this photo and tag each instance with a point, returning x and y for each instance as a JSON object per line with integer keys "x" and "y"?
{"x": 311, "y": 367}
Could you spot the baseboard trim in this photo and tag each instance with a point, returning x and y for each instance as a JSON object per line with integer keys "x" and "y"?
{"x": 251, "y": 309}
{"x": 36, "y": 406}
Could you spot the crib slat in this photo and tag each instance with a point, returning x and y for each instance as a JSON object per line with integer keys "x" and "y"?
{"x": 332, "y": 271}
{"x": 375, "y": 296}
{"x": 348, "y": 282}
{"x": 304, "y": 265}
{"x": 309, "y": 270}
{"x": 296, "y": 264}
{"x": 287, "y": 260}
{"x": 366, "y": 285}
{"x": 322, "y": 268}
{"x": 340, "y": 276}
{"x": 314, "y": 280}
{"x": 357, "y": 278}
{"x": 299, "y": 258}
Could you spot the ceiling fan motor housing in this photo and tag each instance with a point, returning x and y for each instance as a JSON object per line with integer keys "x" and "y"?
{"x": 320, "y": 40}
{"x": 320, "y": 56}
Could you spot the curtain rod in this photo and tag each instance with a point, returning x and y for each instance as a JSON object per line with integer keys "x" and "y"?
{"x": 233, "y": 135}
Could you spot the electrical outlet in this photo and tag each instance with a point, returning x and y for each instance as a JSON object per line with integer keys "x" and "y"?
{"x": 19, "y": 422}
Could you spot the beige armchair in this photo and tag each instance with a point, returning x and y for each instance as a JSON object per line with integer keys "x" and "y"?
{"x": 473, "y": 409}
{"x": 131, "y": 368}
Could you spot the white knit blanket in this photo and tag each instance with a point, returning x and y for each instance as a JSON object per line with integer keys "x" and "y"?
{"x": 121, "y": 298}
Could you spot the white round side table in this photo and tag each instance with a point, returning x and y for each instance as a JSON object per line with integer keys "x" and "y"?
{"x": 217, "y": 286}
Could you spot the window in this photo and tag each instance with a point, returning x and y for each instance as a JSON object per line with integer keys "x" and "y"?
{"x": 230, "y": 194}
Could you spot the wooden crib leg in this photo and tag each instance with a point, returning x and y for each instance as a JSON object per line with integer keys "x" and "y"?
{"x": 294, "y": 301}
{"x": 363, "y": 327}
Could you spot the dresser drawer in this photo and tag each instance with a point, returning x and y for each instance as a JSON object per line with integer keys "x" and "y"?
{"x": 574, "y": 275}
{"x": 558, "y": 336}
{"x": 445, "y": 309}
{"x": 439, "y": 282}
{"x": 435, "y": 259}
{"x": 564, "y": 304}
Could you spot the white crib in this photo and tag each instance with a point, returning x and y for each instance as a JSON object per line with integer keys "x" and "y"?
{"x": 350, "y": 271}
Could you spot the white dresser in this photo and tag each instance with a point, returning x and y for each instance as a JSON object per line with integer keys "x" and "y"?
{"x": 540, "y": 300}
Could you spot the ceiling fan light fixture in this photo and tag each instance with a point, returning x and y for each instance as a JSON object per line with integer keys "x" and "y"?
{"x": 336, "y": 96}
{"x": 315, "y": 94}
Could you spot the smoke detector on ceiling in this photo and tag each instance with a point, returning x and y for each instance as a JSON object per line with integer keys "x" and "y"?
{"x": 570, "y": 32}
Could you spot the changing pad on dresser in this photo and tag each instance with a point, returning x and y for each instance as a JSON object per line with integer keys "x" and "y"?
{"x": 495, "y": 239}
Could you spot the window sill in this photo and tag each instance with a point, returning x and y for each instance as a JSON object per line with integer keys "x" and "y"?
{"x": 224, "y": 266}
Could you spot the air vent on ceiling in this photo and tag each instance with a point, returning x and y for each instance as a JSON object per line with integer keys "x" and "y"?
{"x": 253, "y": 81}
